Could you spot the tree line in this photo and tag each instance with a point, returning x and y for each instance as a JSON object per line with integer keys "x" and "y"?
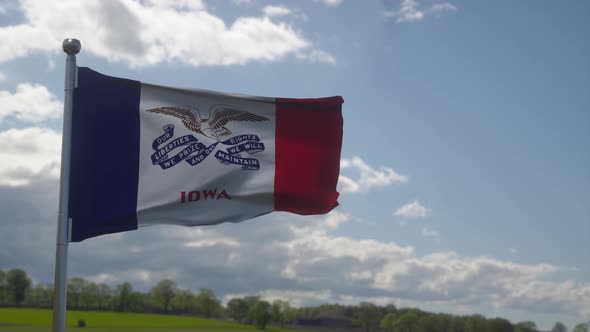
{"x": 17, "y": 290}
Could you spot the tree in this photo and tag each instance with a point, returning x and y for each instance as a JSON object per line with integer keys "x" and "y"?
{"x": 369, "y": 316}
{"x": 104, "y": 296}
{"x": 430, "y": 323}
{"x": 137, "y": 302}
{"x": 456, "y": 324}
{"x": 251, "y": 302}
{"x": 89, "y": 296}
{"x": 183, "y": 302}
{"x": 559, "y": 327}
{"x": 207, "y": 303}
{"x": 260, "y": 314}
{"x": 237, "y": 309}
{"x": 3, "y": 288}
{"x": 582, "y": 327}
{"x": 407, "y": 322}
{"x": 313, "y": 312}
{"x": 75, "y": 286}
{"x": 122, "y": 300}
{"x": 163, "y": 293}
{"x": 475, "y": 323}
{"x": 387, "y": 323}
{"x": 526, "y": 326}
{"x": 499, "y": 325}
{"x": 40, "y": 296}
{"x": 290, "y": 315}
{"x": 280, "y": 312}
{"x": 388, "y": 309}
{"x": 17, "y": 284}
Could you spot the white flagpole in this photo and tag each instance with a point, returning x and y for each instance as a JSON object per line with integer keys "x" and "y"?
{"x": 71, "y": 47}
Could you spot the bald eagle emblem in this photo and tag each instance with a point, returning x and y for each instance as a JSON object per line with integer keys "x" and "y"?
{"x": 170, "y": 151}
{"x": 212, "y": 127}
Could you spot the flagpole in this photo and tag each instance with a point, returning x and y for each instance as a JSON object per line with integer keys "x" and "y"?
{"x": 71, "y": 47}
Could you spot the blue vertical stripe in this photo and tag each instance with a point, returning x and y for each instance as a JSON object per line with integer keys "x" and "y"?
{"x": 105, "y": 155}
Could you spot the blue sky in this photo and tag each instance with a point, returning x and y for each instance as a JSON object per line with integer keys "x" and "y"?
{"x": 465, "y": 158}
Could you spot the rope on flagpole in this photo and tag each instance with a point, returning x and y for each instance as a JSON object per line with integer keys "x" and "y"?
{"x": 71, "y": 47}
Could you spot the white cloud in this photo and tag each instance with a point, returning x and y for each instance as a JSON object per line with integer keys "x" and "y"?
{"x": 190, "y": 5}
{"x": 30, "y": 102}
{"x": 318, "y": 258}
{"x": 441, "y": 8}
{"x": 50, "y": 65}
{"x": 427, "y": 232}
{"x": 291, "y": 257}
{"x": 21, "y": 40}
{"x": 212, "y": 242}
{"x": 271, "y": 11}
{"x": 280, "y": 11}
{"x": 544, "y": 296}
{"x": 368, "y": 177}
{"x": 315, "y": 56}
{"x": 243, "y": 2}
{"x": 2, "y": 77}
{"x": 331, "y": 3}
{"x": 413, "y": 210}
{"x": 29, "y": 154}
{"x": 409, "y": 11}
{"x": 150, "y": 33}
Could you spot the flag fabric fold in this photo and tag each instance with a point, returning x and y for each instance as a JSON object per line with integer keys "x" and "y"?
{"x": 144, "y": 154}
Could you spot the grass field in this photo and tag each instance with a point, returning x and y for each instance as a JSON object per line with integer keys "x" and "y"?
{"x": 37, "y": 320}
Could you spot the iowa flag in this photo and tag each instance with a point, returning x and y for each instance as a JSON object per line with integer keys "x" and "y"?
{"x": 144, "y": 154}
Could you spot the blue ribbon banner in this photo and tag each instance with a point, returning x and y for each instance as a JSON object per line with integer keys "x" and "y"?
{"x": 194, "y": 152}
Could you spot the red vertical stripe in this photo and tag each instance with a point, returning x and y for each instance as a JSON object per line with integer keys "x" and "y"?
{"x": 308, "y": 143}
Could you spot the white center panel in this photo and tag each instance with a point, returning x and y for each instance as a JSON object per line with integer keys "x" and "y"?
{"x": 160, "y": 198}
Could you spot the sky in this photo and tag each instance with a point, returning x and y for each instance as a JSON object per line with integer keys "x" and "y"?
{"x": 465, "y": 161}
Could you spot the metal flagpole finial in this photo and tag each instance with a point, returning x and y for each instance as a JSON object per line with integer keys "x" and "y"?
{"x": 71, "y": 46}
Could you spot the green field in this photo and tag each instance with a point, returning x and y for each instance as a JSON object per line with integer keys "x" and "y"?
{"x": 37, "y": 320}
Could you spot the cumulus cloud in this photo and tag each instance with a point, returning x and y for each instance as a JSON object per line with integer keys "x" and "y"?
{"x": 410, "y": 11}
{"x": 330, "y": 3}
{"x": 367, "y": 177}
{"x": 413, "y": 210}
{"x": 150, "y": 33}
{"x": 30, "y": 102}
{"x": 243, "y": 2}
{"x": 212, "y": 242}
{"x": 427, "y": 232}
{"x": 29, "y": 154}
{"x": 276, "y": 11}
{"x": 33, "y": 153}
{"x": 189, "y": 5}
{"x": 315, "y": 56}
{"x": 283, "y": 11}
{"x": 301, "y": 259}
{"x": 565, "y": 297}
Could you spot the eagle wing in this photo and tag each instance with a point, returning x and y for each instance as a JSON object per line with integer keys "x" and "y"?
{"x": 178, "y": 112}
{"x": 189, "y": 119}
{"x": 222, "y": 114}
